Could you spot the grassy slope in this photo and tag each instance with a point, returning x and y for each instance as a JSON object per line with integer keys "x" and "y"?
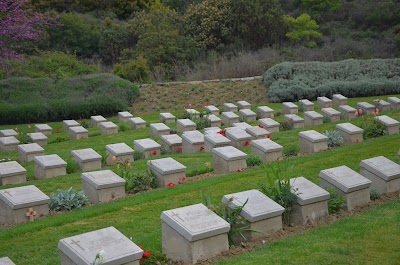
{"x": 138, "y": 216}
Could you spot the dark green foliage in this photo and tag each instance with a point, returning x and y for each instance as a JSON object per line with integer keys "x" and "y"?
{"x": 25, "y": 100}
{"x": 135, "y": 70}
{"x": 136, "y": 181}
{"x": 67, "y": 200}
{"x": 112, "y": 41}
{"x": 291, "y": 150}
{"x": 335, "y": 201}
{"x": 72, "y": 166}
{"x": 353, "y": 78}
{"x": 372, "y": 128}
{"x": 253, "y": 160}
{"x": 374, "y": 194}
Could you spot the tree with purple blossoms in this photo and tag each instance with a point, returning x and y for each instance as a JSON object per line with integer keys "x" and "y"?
{"x": 19, "y": 24}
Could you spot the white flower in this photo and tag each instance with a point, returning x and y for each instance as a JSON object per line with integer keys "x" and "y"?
{"x": 100, "y": 257}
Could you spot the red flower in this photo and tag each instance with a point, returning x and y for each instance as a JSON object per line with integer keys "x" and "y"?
{"x": 269, "y": 136}
{"x": 206, "y": 103}
{"x": 360, "y": 112}
{"x": 58, "y": 130}
{"x": 259, "y": 125}
{"x": 154, "y": 152}
{"x": 146, "y": 254}
{"x": 140, "y": 247}
{"x": 201, "y": 148}
{"x": 29, "y": 126}
{"x": 110, "y": 200}
{"x": 171, "y": 185}
{"x": 180, "y": 148}
{"x": 222, "y": 132}
{"x": 247, "y": 143}
{"x": 201, "y": 106}
{"x": 357, "y": 141}
{"x": 182, "y": 180}
{"x": 239, "y": 170}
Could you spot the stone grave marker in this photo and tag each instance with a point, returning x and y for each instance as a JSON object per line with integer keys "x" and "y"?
{"x": 49, "y": 166}
{"x": 28, "y": 151}
{"x": 229, "y": 118}
{"x": 88, "y": 159}
{"x": 97, "y": 120}
{"x": 215, "y": 121}
{"x": 312, "y": 118}
{"x": 192, "y": 142}
{"x": 38, "y": 138}
{"x": 298, "y": 122}
{"x": 240, "y": 125}
{"x": 366, "y": 107}
{"x": 394, "y": 102}
{"x": 290, "y": 108}
{"x": 167, "y": 117}
{"x": 306, "y": 105}
{"x": 67, "y": 124}
{"x": 158, "y": 129}
{"x": 339, "y": 99}
{"x": 198, "y": 231}
{"x": 192, "y": 113}
{"x": 167, "y": 170}
{"x": 184, "y": 125}
{"x": 6, "y": 261}
{"x": 347, "y": 112}
{"x": 12, "y": 173}
{"x": 383, "y": 105}
{"x": 118, "y": 153}
{"x": 257, "y": 132}
{"x": 137, "y": 123}
{"x": 247, "y": 115}
{"x": 78, "y": 133}
{"x": 229, "y": 107}
{"x": 243, "y": 105}
{"x": 331, "y": 114}
{"x": 215, "y": 140}
{"x": 228, "y": 159}
{"x": 239, "y": 138}
{"x": 392, "y": 125}
{"x": 268, "y": 150}
{"x": 171, "y": 144}
{"x": 8, "y": 132}
{"x": 148, "y": 147}
{"x": 324, "y": 102}
{"x": 43, "y": 128}
{"x": 269, "y": 124}
{"x": 108, "y": 127}
{"x": 8, "y": 144}
{"x": 350, "y": 133}
{"x": 17, "y": 205}
{"x": 312, "y": 142}
{"x": 212, "y": 110}
{"x": 212, "y": 130}
{"x": 124, "y": 116}
{"x": 265, "y": 112}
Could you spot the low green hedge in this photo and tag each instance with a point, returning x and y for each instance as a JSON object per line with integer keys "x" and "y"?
{"x": 25, "y": 100}
{"x": 352, "y": 78}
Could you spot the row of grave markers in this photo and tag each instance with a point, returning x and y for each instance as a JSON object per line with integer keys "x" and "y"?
{"x": 194, "y": 232}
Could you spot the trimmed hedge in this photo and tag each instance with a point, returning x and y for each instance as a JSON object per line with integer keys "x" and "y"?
{"x": 25, "y": 100}
{"x": 352, "y": 78}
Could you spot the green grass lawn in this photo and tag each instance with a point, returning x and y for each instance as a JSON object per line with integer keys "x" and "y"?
{"x": 138, "y": 216}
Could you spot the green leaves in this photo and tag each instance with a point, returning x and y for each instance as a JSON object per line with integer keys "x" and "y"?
{"x": 303, "y": 30}
{"x": 67, "y": 200}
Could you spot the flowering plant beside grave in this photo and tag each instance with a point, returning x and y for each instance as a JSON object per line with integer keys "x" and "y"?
{"x": 372, "y": 128}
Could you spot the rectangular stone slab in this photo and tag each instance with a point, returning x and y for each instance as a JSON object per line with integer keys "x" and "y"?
{"x": 313, "y": 115}
{"x": 349, "y": 128}
{"x": 8, "y": 132}
{"x": 243, "y": 104}
{"x": 86, "y": 155}
{"x": 216, "y": 139}
{"x": 119, "y": 149}
{"x": 186, "y": 122}
{"x": 82, "y": 249}
{"x": 289, "y": 105}
{"x": 230, "y": 107}
{"x": 108, "y": 125}
{"x": 167, "y": 115}
{"x": 50, "y": 161}
{"x": 238, "y": 134}
{"x": 159, "y": 127}
{"x": 43, "y": 127}
{"x": 229, "y": 153}
{"x": 195, "y": 222}
{"x": 230, "y": 115}
{"x": 6, "y": 261}
{"x": 193, "y": 137}
{"x": 103, "y": 179}
{"x": 146, "y": 144}
{"x": 137, "y": 120}
{"x": 324, "y": 100}
{"x": 23, "y": 197}
{"x": 211, "y": 130}
{"x": 294, "y": 118}
{"x": 345, "y": 179}
{"x": 213, "y": 118}
{"x": 339, "y": 97}
{"x": 387, "y": 121}
{"x": 241, "y": 125}
{"x": 313, "y": 136}
{"x": 212, "y": 109}
{"x": 258, "y": 206}
{"x": 365, "y": 105}
{"x": 306, "y": 102}
{"x": 384, "y": 168}
{"x": 347, "y": 108}
{"x": 330, "y": 111}
{"x": 125, "y": 114}
{"x": 257, "y": 132}
{"x": 78, "y": 129}
{"x": 266, "y": 145}
{"x": 97, "y": 118}
{"x": 171, "y": 139}
{"x": 247, "y": 112}
{"x": 307, "y": 192}
{"x": 265, "y": 109}
{"x": 9, "y": 140}
{"x": 268, "y": 122}
{"x": 30, "y": 148}
{"x": 11, "y": 168}
{"x": 166, "y": 166}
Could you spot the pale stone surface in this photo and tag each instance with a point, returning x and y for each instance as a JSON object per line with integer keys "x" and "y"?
{"x": 9, "y": 143}
{"x": 366, "y": 107}
{"x": 108, "y": 127}
{"x": 137, "y": 123}
{"x": 214, "y": 120}
{"x": 247, "y": 115}
{"x": 257, "y": 132}
{"x": 331, "y": 114}
{"x": 392, "y": 125}
{"x": 38, "y": 138}
{"x": 306, "y": 105}
{"x": 6, "y": 261}
{"x": 12, "y": 173}
{"x": 243, "y": 104}
{"x": 124, "y": 116}
{"x": 350, "y": 133}
{"x": 193, "y": 113}
{"x": 311, "y": 201}
{"x": 67, "y": 124}
{"x": 82, "y": 249}
{"x": 324, "y": 102}
{"x": 171, "y": 143}
{"x": 212, "y": 110}
{"x": 184, "y": 125}
{"x": 383, "y": 172}
{"x": 347, "y": 112}
{"x": 269, "y": 124}
{"x": 312, "y": 118}
{"x": 238, "y": 137}
{"x": 242, "y": 125}
{"x": 258, "y": 209}
{"x": 100, "y": 186}
{"x": 290, "y": 108}
{"x": 228, "y": 159}
{"x": 167, "y": 170}
{"x": 339, "y": 100}
{"x": 167, "y": 117}
{"x": 347, "y": 182}
{"x": 78, "y": 132}
{"x": 383, "y": 105}
{"x": 8, "y": 132}
{"x": 192, "y": 142}
{"x": 215, "y": 140}
{"x": 43, "y": 128}
{"x": 229, "y": 118}
{"x": 212, "y": 130}
{"x": 28, "y": 151}
{"x": 121, "y": 151}
{"x": 298, "y": 122}
{"x": 97, "y": 120}
{"x": 230, "y": 107}
{"x": 312, "y": 142}
{"x": 49, "y": 166}
{"x": 395, "y": 102}
{"x": 193, "y": 233}
{"x": 15, "y": 202}
{"x": 148, "y": 147}
{"x": 88, "y": 159}
{"x": 158, "y": 129}
{"x": 265, "y": 112}
{"x": 268, "y": 150}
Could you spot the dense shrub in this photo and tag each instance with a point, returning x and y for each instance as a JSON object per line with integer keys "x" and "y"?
{"x": 56, "y": 65}
{"x": 353, "y": 78}
{"x": 67, "y": 200}
{"x": 25, "y": 100}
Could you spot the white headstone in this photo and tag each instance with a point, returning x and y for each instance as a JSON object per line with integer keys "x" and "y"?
{"x": 103, "y": 179}
{"x": 307, "y": 192}
{"x": 23, "y": 197}
{"x": 345, "y": 179}
{"x": 229, "y": 153}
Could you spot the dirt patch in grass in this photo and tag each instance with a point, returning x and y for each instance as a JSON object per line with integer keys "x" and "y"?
{"x": 170, "y": 97}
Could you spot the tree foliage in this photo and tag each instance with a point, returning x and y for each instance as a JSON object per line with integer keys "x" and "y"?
{"x": 303, "y": 29}
{"x": 319, "y": 6}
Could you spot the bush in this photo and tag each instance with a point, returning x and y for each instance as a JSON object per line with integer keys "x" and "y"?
{"x": 135, "y": 70}
{"x": 372, "y": 128}
{"x": 72, "y": 166}
{"x": 253, "y": 160}
{"x": 67, "y": 200}
{"x": 291, "y": 150}
{"x": 27, "y": 100}
{"x": 374, "y": 194}
{"x": 335, "y": 201}
{"x": 334, "y": 138}
{"x": 353, "y": 78}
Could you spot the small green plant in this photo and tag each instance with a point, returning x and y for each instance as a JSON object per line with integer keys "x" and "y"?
{"x": 138, "y": 155}
{"x": 335, "y": 201}
{"x": 23, "y": 138}
{"x": 286, "y": 125}
{"x": 59, "y": 139}
{"x": 334, "y": 138}
{"x": 325, "y": 120}
{"x": 136, "y": 181}
{"x": 253, "y": 160}
{"x": 374, "y": 194}
{"x": 123, "y": 127}
{"x": 67, "y": 200}
{"x": 84, "y": 123}
{"x": 291, "y": 150}
{"x": 72, "y": 166}
{"x": 372, "y": 128}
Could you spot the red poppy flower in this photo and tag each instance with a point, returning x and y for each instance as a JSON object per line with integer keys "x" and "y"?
{"x": 146, "y": 254}
{"x": 247, "y": 143}
{"x": 182, "y": 180}
{"x": 201, "y": 148}
{"x": 222, "y": 132}
{"x": 58, "y": 130}
{"x": 110, "y": 199}
{"x": 269, "y": 136}
{"x": 239, "y": 170}
{"x": 171, "y": 185}
{"x": 154, "y": 152}
{"x": 180, "y": 148}
{"x": 140, "y": 247}
{"x": 357, "y": 141}
{"x": 259, "y": 125}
